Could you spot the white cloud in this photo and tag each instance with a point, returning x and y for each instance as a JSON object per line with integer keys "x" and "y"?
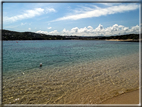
{"x": 87, "y": 12}
{"x": 100, "y": 27}
{"x": 90, "y": 27}
{"x": 29, "y": 28}
{"x": 99, "y": 31}
{"x": 49, "y": 27}
{"x": 74, "y": 30}
{"x": 55, "y": 32}
{"x": 44, "y": 32}
{"x": 28, "y": 14}
{"x": 47, "y": 10}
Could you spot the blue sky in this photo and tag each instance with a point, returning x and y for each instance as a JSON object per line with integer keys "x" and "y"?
{"x": 81, "y": 19}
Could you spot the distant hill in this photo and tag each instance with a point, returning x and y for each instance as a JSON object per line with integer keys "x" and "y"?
{"x": 13, "y": 35}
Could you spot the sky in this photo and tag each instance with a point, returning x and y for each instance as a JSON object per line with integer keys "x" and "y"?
{"x": 80, "y": 19}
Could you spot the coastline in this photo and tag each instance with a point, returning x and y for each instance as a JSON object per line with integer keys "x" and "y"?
{"x": 123, "y": 40}
{"x": 125, "y": 98}
{"x": 87, "y": 82}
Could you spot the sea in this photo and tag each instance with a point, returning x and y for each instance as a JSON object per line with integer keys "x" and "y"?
{"x": 72, "y": 72}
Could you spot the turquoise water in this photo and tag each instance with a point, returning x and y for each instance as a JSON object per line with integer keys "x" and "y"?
{"x": 88, "y": 71}
{"x": 26, "y": 55}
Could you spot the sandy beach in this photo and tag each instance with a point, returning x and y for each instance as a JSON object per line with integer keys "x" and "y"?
{"x": 126, "y": 98}
{"x": 87, "y": 72}
{"x": 123, "y": 40}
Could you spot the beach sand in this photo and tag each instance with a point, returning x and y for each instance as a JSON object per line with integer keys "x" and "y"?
{"x": 123, "y": 40}
{"x": 126, "y": 98}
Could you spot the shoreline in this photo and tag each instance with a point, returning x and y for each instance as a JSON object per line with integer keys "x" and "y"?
{"x": 125, "y": 98}
{"x": 87, "y": 93}
{"x": 73, "y": 82}
{"x": 123, "y": 40}
{"x": 119, "y": 40}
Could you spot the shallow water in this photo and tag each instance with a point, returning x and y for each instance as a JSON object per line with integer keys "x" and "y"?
{"x": 73, "y": 72}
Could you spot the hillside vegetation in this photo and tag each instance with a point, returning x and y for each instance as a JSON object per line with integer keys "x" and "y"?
{"x": 13, "y": 35}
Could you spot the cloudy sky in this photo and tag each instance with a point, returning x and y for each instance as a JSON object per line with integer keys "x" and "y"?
{"x": 81, "y": 19}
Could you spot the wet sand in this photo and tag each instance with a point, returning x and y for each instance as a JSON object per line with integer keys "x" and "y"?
{"x": 126, "y": 98}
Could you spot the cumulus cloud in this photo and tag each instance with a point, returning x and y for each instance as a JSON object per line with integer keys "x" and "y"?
{"x": 99, "y": 28}
{"x": 54, "y": 32}
{"x": 98, "y": 31}
{"x": 43, "y": 32}
{"x": 28, "y": 14}
{"x": 87, "y": 12}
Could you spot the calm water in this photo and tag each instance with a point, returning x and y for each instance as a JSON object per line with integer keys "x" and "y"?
{"x": 88, "y": 71}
